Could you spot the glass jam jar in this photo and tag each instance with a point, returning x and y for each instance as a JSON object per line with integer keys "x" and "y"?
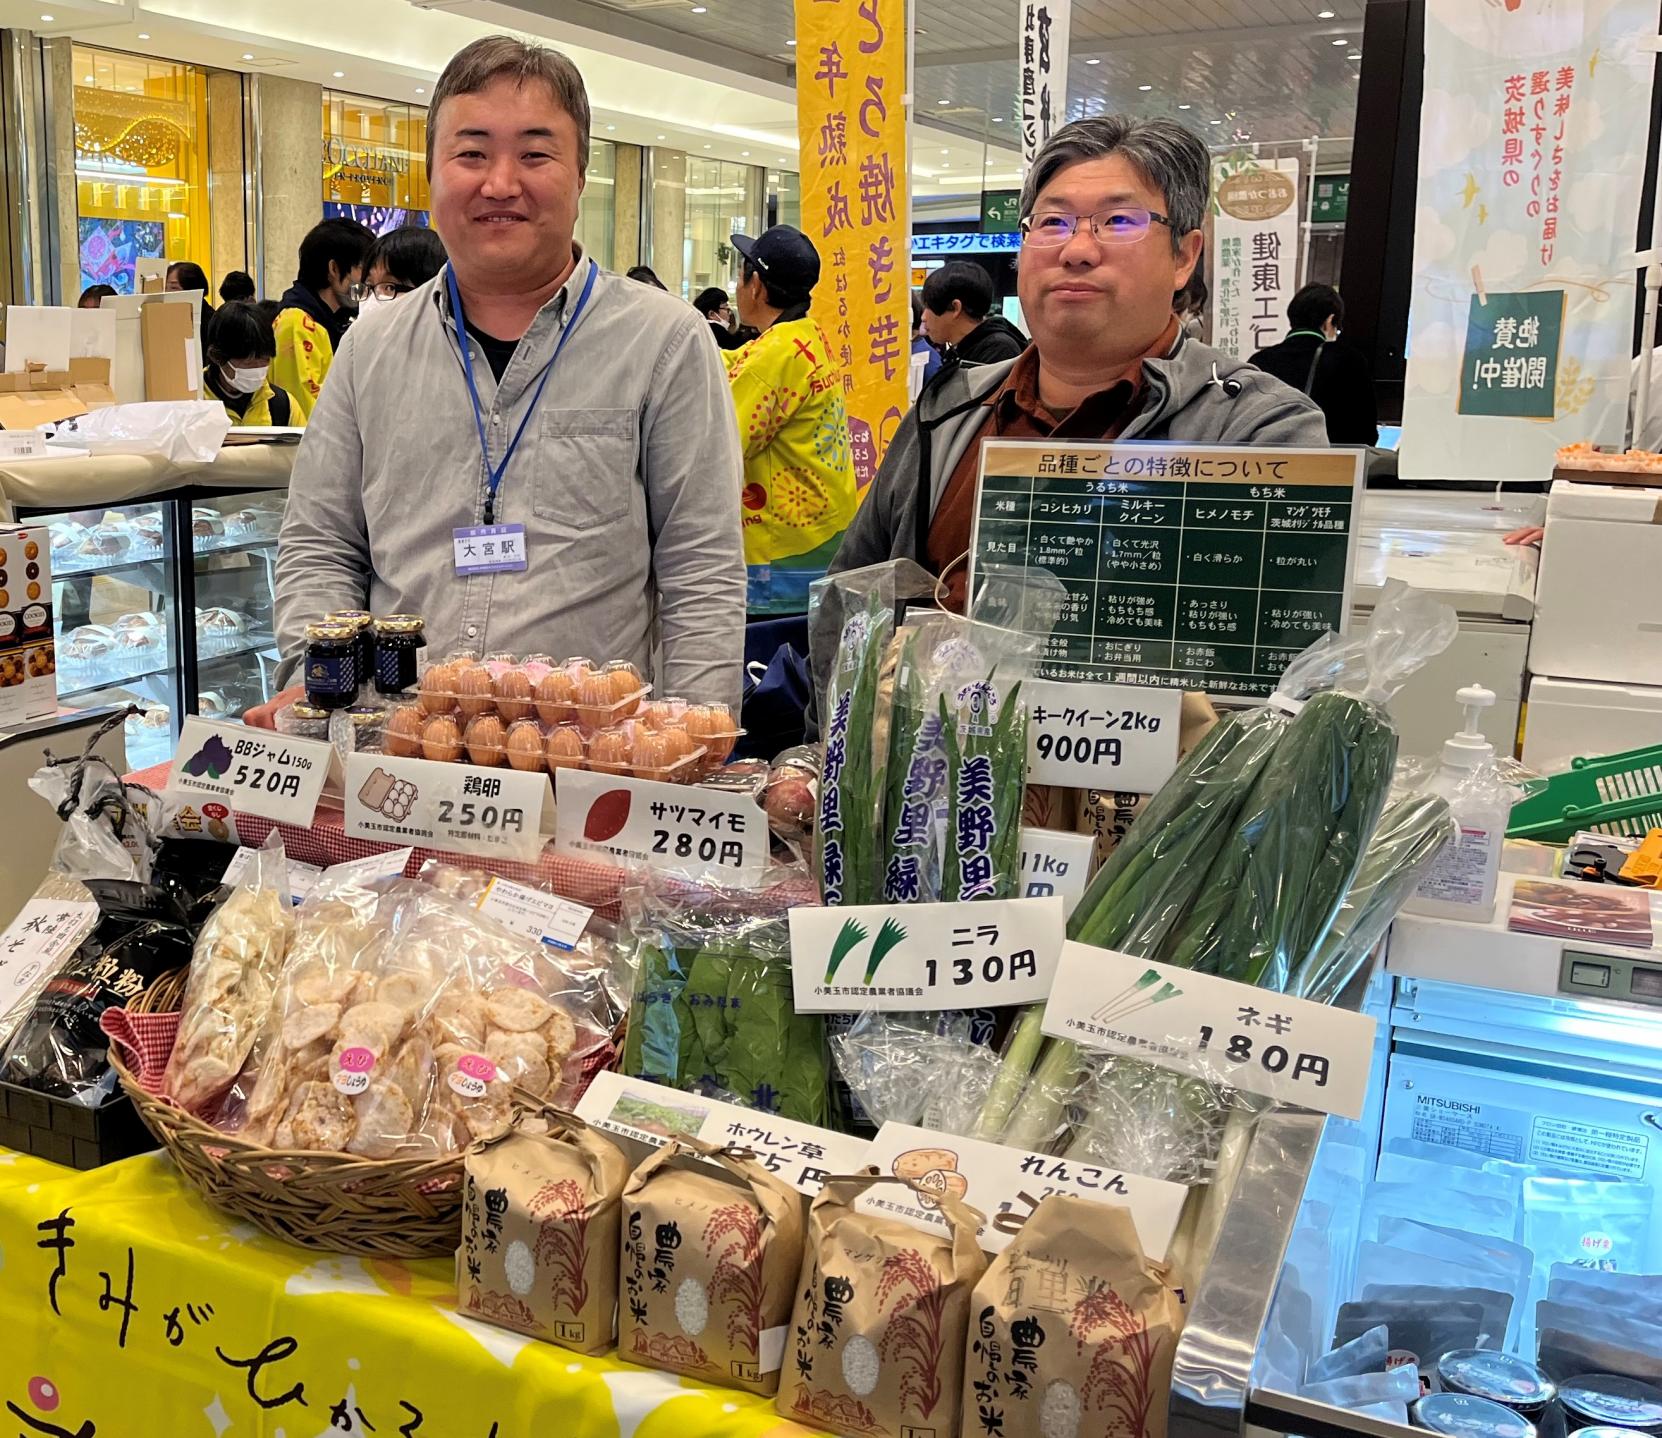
{"x": 331, "y": 670}
{"x": 398, "y": 637}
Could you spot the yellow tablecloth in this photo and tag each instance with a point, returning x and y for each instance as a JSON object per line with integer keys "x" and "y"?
{"x": 231, "y": 1334}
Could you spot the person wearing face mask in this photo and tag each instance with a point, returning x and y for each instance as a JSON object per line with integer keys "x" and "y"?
{"x": 318, "y": 308}
{"x": 238, "y": 373}
{"x": 1313, "y": 359}
{"x": 399, "y": 261}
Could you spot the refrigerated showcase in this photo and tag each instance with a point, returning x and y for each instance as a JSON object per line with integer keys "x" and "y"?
{"x": 1516, "y": 1099}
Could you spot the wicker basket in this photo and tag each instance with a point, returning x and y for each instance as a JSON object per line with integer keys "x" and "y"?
{"x": 389, "y": 1208}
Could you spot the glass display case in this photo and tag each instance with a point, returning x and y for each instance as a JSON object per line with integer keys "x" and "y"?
{"x": 166, "y": 603}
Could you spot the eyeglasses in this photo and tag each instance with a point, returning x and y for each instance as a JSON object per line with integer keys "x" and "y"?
{"x": 1122, "y": 225}
{"x": 386, "y": 290}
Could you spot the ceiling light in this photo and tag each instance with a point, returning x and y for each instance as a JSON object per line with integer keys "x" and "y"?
{"x": 998, "y": 119}
{"x": 89, "y": 79}
{"x": 706, "y": 147}
{"x": 1217, "y": 122}
{"x": 1093, "y": 61}
{"x": 662, "y": 137}
{"x": 247, "y": 55}
{"x": 45, "y": 19}
{"x": 143, "y": 36}
{"x": 1185, "y": 107}
{"x": 943, "y": 102}
{"x": 700, "y": 9}
{"x": 340, "y": 74}
{"x": 420, "y": 90}
{"x": 1145, "y": 87}
{"x": 1341, "y": 42}
{"x": 1354, "y": 55}
{"x": 790, "y": 42}
{"x": 744, "y": 154}
{"x": 1324, "y": 14}
{"x": 611, "y": 127}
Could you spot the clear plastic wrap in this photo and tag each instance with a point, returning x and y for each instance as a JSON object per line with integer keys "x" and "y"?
{"x": 233, "y": 974}
{"x": 52, "y": 889}
{"x": 928, "y": 1069}
{"x": 180, "y": 431}
{"x": 790, "y": 797}
{"x": 1146, "y": 1120}
{"x": 106, "y": 833}
{"x": 713, "y": 1007}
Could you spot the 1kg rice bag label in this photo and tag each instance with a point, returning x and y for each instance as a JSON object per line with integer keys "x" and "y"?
{"x": 1101, "y": 736}
{"x": 908, "y": 958}
{"x": 1215, "y": 1029}
{"x": 249, "y": 771}
{"x": 458, "y": 808}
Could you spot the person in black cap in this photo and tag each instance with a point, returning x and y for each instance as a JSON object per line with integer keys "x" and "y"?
{"x": 799, "y": 487}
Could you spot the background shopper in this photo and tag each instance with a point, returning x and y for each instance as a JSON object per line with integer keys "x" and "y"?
{"x": 240, "y": 348}
{"x": 716, "y": 307}
{"x": 185, "y": 275}
{"x": 957, "y": 299}
{"x": 1314, "y": 360}
{"x": 399, "y": 262}
{"x": 318, "y": 307}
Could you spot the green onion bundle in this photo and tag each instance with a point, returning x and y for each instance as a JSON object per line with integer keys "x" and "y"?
{"x": 850, "y": 845}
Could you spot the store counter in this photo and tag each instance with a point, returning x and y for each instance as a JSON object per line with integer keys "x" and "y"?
{"x": 136, "y": 1310}
{"x": 82, "y": 482}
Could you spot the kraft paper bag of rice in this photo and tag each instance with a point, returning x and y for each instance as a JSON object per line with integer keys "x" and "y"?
{"x": 540, "y": 1227}
{"x": 709, "y": 1266}
{"x": 882, "y": 1313}
{"x": 1072, "y": 1331}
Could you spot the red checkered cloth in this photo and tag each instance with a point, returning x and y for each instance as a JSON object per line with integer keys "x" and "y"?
{"x": 598, "y": 886}
{"x": 144, "y": 1042}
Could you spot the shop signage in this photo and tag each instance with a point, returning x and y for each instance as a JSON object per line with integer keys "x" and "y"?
{"x": 1255, "y": 232}
{"x": 802, "y": 1155}
{"x": 1055, "y": 862}
{"x": 1042, "y": 54}
{"x": 1000, "y": 212}
{"x": 1330, "y": 205}
{"x": 1190, "y": 567}
{"x": 461, "y": 808}
{"x": 1006, "y": 1184}
{"x": 682, "y": 830}
{"x": 851, "y": 107}
{"x": 372, "y": 160}
{"x": 249, "y": 771}
{"x": 541, "y": 917}
{"x": 1101, "y": 736}
{"x": 908, "y": 958}
{"x": 1287, "y": 1049}
{"x": 1528, "y": 202}
{"x": 965, "y": 242}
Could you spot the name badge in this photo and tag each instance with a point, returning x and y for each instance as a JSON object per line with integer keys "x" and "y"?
{"x": 489, "y": 548}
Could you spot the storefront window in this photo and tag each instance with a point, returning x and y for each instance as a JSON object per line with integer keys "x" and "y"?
{"x": 597, "y": 210}
{"x": 785, "y": 198}
{"x": 723, "y": 200}
{"x": 141, "y": 165}
{"x": 374, "y": 161}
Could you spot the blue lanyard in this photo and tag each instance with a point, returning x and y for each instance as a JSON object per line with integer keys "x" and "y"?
{"x": 494, "y": 474}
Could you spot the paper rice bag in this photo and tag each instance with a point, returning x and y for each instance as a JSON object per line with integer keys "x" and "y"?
{"x": 1072, "y": 1331}
{"x": 882, "y": 1314}
{"x": 540, "y": 1227}
{"x": 709, "y": 1266}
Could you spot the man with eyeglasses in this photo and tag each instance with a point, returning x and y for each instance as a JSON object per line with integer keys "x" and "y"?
{"x": 1111, "y": 232}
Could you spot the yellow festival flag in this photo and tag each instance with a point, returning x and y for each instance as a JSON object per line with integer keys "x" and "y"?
{"x": 851, "y": 119}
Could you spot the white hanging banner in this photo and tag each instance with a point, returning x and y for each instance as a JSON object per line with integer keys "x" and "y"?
{"x": 1520, "y": 325}
{"x": 1255, "y": 232}
{"x": 1043, "y": 54}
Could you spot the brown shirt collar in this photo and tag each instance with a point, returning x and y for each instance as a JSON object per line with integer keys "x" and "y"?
{"x": 1019, "y": 394}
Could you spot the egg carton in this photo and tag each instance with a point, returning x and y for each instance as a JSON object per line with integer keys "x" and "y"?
{"x": 576, "y": 691}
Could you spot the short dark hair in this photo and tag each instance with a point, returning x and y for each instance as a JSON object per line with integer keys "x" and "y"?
{"x": 644, "y": 275}
{"x": 341, "y": 240}
{"x": 474, "y": 66}
{"x": 411, "y": 254}
{"x": 191, "y": 276}
{"x": 269, "y": 310}
{"x": 95, "y": 292}
{"x": 959, "y": 280}
{"x": 239, "y": 331}
{"x": 917, "y": 309}
{"x": 1310, "y": 308}
{"x": 711, "y": 300}
{"x": 237, "y": 285}
{"x": 1170, "y": 157}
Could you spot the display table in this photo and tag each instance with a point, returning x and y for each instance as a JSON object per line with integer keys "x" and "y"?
{"x": 84, "y": 482}
{"x": 167, "y": 1318}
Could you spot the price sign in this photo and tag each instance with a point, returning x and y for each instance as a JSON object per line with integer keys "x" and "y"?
{"x": 907, "y": 958}
{"x": 250, "y": 771}
{"x": 1006, "y": 1185}
{"x": 544, "y": 918}
{"x": 454, "y": 807}
{"x": 1054, "y": 862}
{"x": 662, "y": 826}
{"x": 802, "y": 1155}
{"x": 44, "y": 933}
{"x": 1249, "y": 1038}
{"x": 1101, "y": 736}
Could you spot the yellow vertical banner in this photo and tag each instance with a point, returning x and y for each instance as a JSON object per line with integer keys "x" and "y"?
{"x": 851, "y": 118}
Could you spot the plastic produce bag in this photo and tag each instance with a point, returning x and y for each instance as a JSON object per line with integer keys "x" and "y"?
{"x": 180, "y": 431}
{"x": 1484, "y": 1214}
{"x": 1366, "y": 1354}
{"x": 233, "y": 974}
{"x": 106, "y": 833}
{"x": 70, "y": 926}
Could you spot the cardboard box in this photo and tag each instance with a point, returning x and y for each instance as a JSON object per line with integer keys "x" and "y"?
{"x": 38, "y": 396}
{"x": 28, "y": 655}
{"x": 172, "y": 366}
{"x": 89, "y": 381}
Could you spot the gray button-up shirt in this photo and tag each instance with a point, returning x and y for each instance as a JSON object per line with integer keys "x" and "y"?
{"x": 627, "y": 481}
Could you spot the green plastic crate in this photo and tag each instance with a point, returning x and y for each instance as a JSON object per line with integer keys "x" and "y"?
{"x": 1618, "y": 794}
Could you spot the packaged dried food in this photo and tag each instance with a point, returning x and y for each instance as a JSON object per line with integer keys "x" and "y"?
{"x": 233, "y": 974}
{"x": 540, "y": 1231}
{"x": 711, "y": 1253}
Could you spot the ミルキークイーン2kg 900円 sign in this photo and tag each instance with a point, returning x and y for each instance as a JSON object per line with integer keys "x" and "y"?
{"x": 1188, "y": 566}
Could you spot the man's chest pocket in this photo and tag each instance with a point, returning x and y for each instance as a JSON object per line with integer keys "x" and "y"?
{"x": 586, "y": 467}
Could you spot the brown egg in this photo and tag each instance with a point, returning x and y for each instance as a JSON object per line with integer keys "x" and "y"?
{"x": 438, "y": 689}
{"x": 484, "y": 740}
{"x": 712, "y": 726}
{"x": 513, "y": 694}
{"x": 563, "y": 748}
{"x": 554, "y": 694}
{"x": 474, "y": 692}
{"x": 678, "y": 741}
{"x": 626, "y": 688}
{"x": 651, "y": 757}
{"x": 594, "y": 702}
{"x": 441, "y": 740}
{"x": 611, "y": 751}
{"x": 525, "y": 746}
{"x": 403, "y": 736}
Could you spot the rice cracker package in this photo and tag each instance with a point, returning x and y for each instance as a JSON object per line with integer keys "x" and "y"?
{"x": 710, "y": 1262}
{"x": 540, "y": 1224}
{"x": 1072, "y": 1331}
{"x": 882, "y": 1313}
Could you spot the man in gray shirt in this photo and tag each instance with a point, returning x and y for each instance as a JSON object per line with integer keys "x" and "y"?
{"x": 583, "y": 422}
